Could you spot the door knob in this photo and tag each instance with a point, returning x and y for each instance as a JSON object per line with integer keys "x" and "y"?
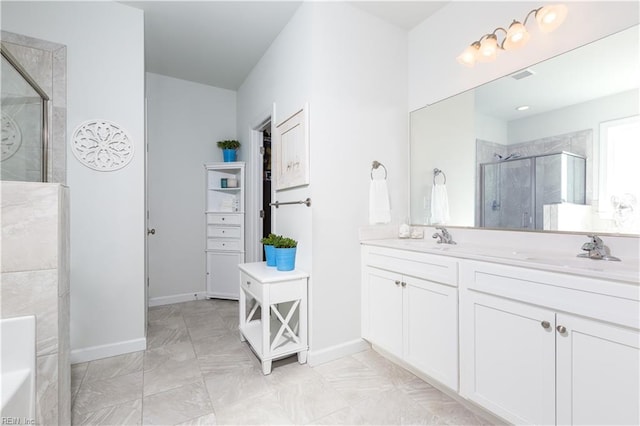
{"x": 561, "y": 329}
{"x": 151, "y": 231}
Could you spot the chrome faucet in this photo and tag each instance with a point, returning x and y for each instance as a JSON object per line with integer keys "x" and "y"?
{"x": 444, "y": 237}
{"x": 595, "y": 249}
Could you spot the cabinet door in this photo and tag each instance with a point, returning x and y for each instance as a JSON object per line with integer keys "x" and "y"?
{"x": 508, "y": 358}
{"x": 431, "y": 329}
{"x": 385, "y": 310}
{"x": 598, "y": 373}
{"x": 223, "y": 275}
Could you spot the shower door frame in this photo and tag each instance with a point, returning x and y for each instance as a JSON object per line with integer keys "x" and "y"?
{"x": 45, "y": 108}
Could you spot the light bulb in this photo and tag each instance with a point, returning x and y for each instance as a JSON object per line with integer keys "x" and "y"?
{"x": 469, "y": 56}
{"x": 551, "y": 17}
{"x": 488, "y": 49}
{"x": 517, "y": 36}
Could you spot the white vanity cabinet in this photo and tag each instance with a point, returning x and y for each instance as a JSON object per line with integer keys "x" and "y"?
{"x": 410, "y": 309}
{"x": 224, "y": 204}
{"x": 539, "y": 347}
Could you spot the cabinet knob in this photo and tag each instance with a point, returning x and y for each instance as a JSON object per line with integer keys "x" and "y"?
{"x": 545, "y": 324}
{"x": 397, "y": 282}
{"x": 404, "y": 284}
{"x": 561, "y": 329}
{"x": 248, "y": 282}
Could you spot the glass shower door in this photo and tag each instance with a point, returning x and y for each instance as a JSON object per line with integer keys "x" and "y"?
{"x": 507, "y": 194}
{"x": 23, "y": 126}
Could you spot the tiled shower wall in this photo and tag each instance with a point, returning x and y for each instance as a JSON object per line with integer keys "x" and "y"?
{"x": 35, "y": 281}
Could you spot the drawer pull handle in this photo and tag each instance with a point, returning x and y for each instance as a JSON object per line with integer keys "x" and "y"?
{"x": 223, "y": 218}
{"x": 545, "y": 324}
{"x": 561, "y": 329}
{"x": 397, "y": 282}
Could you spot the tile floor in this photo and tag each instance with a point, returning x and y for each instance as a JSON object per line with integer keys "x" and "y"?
{"x": 197, "y": 372}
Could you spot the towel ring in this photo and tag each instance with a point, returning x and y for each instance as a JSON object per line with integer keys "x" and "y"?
{"x": 375, "y": 165}
{"x": 436, "y": 172}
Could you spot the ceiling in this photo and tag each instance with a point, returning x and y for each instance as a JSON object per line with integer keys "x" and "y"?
{"x": 602, "y": 68}
{"x": 218, "y": 42}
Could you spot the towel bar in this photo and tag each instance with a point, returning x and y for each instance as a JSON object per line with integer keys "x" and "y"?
{"x": 436, "y": 172}
{"x": 278, "y": 203}
{"x": 375, "y": 165}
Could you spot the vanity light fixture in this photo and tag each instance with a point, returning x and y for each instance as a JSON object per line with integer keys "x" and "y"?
{"x": 486, "y": 48}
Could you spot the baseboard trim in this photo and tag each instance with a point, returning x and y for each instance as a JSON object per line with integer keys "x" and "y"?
{"x": 176, "y": 298}
{"x": 104, "y": 351}
{"x": 338, "y": 351}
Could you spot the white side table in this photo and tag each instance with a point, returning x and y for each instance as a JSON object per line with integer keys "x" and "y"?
{"x": 281, "y": 296}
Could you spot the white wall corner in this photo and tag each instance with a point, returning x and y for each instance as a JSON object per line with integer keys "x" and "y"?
{"x": 105, "y": 351}
{"x": 337, "y": 351}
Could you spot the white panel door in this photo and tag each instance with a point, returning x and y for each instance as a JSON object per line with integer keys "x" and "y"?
{"x": 598, "y": 373}
{"x": 385, "y": 310}
{"x": 509, "y": 354}
{"x": 431, "y": 329}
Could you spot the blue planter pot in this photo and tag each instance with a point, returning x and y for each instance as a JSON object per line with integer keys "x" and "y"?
{"x": 229, "y": 155}
{"x": 270, "y": 255}
{"x": 286, "y": 259}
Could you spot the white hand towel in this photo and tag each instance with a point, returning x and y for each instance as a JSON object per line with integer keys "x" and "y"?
{"x": 379, "y": 209}
{"x": 439, "y": 205}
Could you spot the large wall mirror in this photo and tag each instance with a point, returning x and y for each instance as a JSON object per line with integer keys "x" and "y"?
{"x": 554, "y": 147}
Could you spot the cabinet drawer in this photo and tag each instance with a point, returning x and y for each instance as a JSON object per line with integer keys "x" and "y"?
{"x": 591, "y": 297}
{"x": 224, "y": 219}
{"x": 223, "y": 232}
{"x": 251, "y": 286}
{"x": 420, "y": 265}
{"x": 213, "y": 244}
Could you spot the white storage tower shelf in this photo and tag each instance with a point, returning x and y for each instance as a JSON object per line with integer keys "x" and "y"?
{"x": 224, "y": 211}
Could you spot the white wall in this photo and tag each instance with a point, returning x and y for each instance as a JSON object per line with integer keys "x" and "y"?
{"x": 105, "y": 79}
{"x": 351, "y": 68}
{"x": 358, "y": 115}
{"x": 184, "y": 121}
{"x": 434, "y": 73}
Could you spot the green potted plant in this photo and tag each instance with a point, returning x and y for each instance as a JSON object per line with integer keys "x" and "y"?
{"x": 269, "y": 249}
{"x": 285, "y": 253}
{"x": 229, "y": 148}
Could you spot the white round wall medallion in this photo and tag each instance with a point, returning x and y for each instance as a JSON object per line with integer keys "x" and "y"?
{"x": 102, "y": 145}
{"x": 11, "y": 137}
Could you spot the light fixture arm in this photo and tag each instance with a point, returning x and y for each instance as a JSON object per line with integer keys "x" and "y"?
{"x": 534, "y": 12}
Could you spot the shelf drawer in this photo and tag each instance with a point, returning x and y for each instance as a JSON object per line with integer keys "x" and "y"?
{"x": 224, "y": 219}
{"x": 435, "y": 268}
{"x": 213, "y": 244}
{"x": 251, "y": 286}
{"x": 223, "y": 232}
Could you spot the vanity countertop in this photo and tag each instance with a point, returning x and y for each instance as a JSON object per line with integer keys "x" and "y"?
{"x": 628, "y": 270}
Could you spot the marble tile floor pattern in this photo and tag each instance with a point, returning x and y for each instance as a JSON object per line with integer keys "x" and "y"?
{"x": 197, "y": 372}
